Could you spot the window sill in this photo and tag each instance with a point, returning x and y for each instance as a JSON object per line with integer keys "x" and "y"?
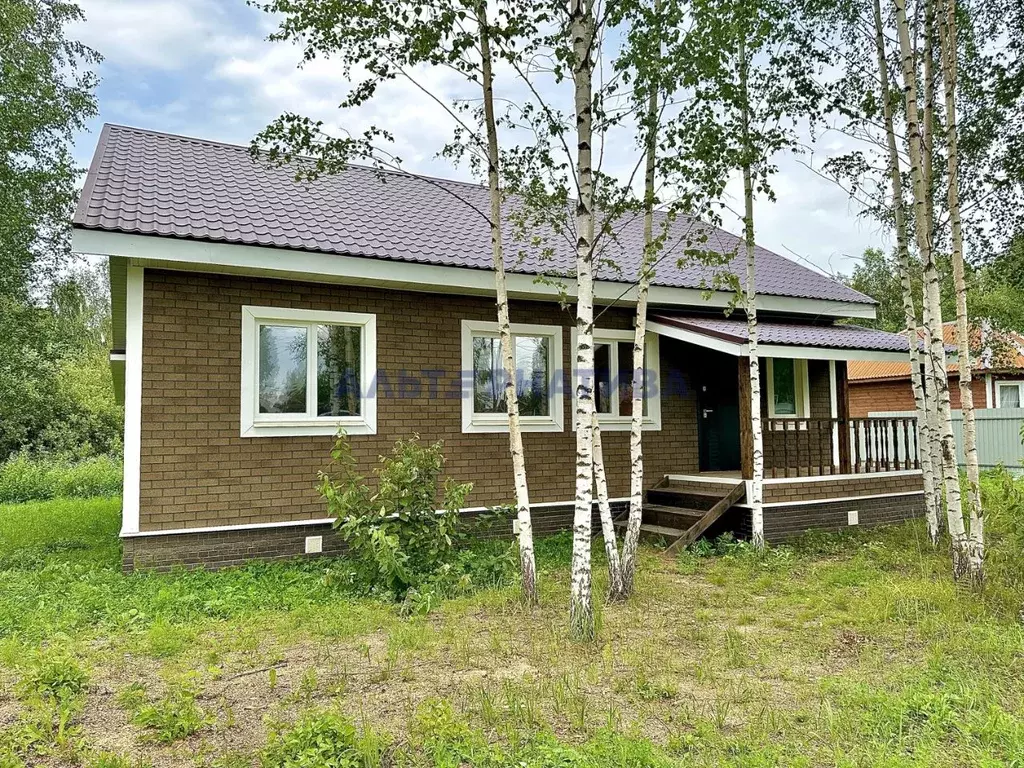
{"x": 498, "y": 426}
{"x": 625, "y": 424}
{"x": 299, "y": 428}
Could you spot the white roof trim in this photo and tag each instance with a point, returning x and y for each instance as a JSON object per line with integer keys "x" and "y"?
{"x": 773, "y": 350}
{"x": 229, "y": 258}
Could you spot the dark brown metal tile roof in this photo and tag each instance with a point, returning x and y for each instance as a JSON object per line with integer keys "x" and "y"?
{"x": 152, "y": 183}
{"x": 841, "y": 336}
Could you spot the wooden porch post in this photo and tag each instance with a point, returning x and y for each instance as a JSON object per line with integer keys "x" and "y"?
{"x": 843, "y": 414}
{"x": 746, "y": 428}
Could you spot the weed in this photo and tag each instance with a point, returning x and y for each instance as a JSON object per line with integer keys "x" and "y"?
{"x": 131, "y": 697}
{"x": 173, "y": 717}
{"x": 322, "y": 740}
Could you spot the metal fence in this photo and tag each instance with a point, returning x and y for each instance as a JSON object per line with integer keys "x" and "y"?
{"x": 999, "y": 438}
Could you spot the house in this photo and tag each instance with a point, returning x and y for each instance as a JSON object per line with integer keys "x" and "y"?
{"x": 254, "y": 316}
{"x": 880, "y": 386}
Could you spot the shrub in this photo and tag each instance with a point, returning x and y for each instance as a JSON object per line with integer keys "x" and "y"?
{"x": 397, "y": 539}
{"x": 24, "y": 478}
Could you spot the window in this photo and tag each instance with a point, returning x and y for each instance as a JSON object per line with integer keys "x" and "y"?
{"x": 308, "y": 373}
{"x": 538, "y": 355}
{"x": 1008, "y": 394}
{"x": 787, "y": 388}
{"x": 613, "y": 379}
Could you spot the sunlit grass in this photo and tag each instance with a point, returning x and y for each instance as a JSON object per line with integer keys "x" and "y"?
{"x": 854, "y": 650}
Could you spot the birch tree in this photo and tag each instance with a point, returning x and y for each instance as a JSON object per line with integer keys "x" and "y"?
{"x": 527, "y": 563}
{"x": 582, "y": 31}
{"x": 396, "y": 41}
{"x": 924, "y": 412}
{"x": 948, "y": 57}
{"x": 611, "y": 548}
{"x": 753, "y": 77}
{"x": 648, "y": 62}
{"x": 935, "y": 346}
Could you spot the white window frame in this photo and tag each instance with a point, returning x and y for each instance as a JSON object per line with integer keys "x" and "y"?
{"x": 256, "y": 424}
{"x": 1000, "y": 383}
{"x": 498, "y": 422}
{"x": 613, "y": 422}
{"x": 802, "y": 385}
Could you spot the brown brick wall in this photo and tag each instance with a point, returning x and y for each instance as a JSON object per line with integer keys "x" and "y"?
{"x": 196, "y": 471}
{"x": 897, "y": 395}
{"x": 223, "y": 549}
{"x": 865, "y": 485}
{"x": 783, "y": 523}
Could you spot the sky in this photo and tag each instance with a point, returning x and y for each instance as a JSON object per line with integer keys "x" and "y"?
{"x": 204, "y": 68}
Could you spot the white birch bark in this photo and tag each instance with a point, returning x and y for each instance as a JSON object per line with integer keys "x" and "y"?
{"x": 527, "y": 562}
{"x": 934, "y": 420}
{"x": 636, "y": 423}
{"x": 756, "y": 496}
{"x": 948, "y": 58}
{"x": 581, "y": 604}
{"x": 924, "y": 423}
{"x": 611, "y": 545}
{"x": 933, "y": 326}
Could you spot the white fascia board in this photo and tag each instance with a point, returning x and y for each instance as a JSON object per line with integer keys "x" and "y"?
{"x": 772, "y": 350}
{"x": 229, "y": 258}
{"x": 698, "y": 339}
{"x": 825, "y": 353}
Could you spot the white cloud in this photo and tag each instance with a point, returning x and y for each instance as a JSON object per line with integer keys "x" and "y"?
{"x": 149, "y": 33}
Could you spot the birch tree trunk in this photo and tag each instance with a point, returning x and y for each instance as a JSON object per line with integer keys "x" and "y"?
{"x": 581, "y": 604}
{"x": 757, "y": 481}
{"x": 611, "y": 547}
{"x": 928, "y": 145}
{"x": 948, "y": 57}
{"x": 933, "y": 325}
{"x": 527, "y": 562}
{"x": 636, "y": 423}
{"x": 924, "y": 423}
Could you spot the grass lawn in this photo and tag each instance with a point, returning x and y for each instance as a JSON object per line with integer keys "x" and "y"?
{"x": 852, "y": 651}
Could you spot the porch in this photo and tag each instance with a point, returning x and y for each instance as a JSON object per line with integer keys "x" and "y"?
{"x": 822, "y": 468}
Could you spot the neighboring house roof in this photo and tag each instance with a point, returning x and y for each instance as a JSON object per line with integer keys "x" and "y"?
{"x": 791, "y": 334}
{"x": 150, "y": 183}
{"x": 1009, "y": 359}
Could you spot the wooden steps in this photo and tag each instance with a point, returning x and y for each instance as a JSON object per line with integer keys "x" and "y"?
{"x": 680, "y": 514}
{"x": 650, "y": 531}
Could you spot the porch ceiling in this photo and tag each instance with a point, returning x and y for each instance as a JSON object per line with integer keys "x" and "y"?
{"x": 783, "y": 339}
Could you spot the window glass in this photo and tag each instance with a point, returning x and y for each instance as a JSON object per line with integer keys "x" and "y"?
{"x": 1009, "y": 396}
{"x": 603, "y": 378}
{"x": 338, "y": 367}
{"x": 488, "y": 376}
{"x": 625, "y": 378}
{"x": 282, "y": 369}
{"x": 784, "y": 386}
{"x": 532, "y": 375}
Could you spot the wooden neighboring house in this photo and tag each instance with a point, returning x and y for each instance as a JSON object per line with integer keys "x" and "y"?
{"x": 997, "y": 382}
{"x": 254, "y": 316}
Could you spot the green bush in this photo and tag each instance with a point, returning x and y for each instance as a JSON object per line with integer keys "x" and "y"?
{"x": 397, "y": 539}
{"x": 23, "y": 478}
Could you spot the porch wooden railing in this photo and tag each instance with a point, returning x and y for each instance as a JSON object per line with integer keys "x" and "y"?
{"x": 808, "y": 447}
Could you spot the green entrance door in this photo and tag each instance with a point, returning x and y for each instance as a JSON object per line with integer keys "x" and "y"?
{"x": 718, "y": 413}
